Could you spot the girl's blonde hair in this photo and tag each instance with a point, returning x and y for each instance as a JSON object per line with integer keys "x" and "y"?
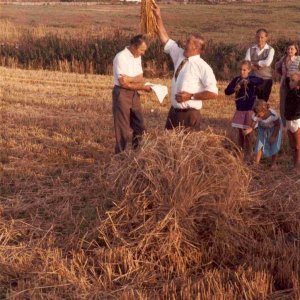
{"x": 260, "y": 106}
{"x": 246, "y": 63}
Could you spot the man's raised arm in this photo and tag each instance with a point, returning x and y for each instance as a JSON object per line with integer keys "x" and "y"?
{"x": 161, "y": 30}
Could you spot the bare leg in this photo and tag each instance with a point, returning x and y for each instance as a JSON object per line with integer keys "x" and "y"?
{"x": 258, "y": 156}
{"x": 297, "y": 149}
{"x": 292, "y": 143}
{"x": 249, "y": 145}
{"x": 241, "y": 138}
{"x": 273, "y": 162}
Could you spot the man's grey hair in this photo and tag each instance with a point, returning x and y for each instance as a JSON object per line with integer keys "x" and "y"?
{"x": 200, "y": 42}
{"x": 262, "y": 30}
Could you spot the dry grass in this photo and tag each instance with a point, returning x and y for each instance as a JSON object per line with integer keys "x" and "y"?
{"x": 181, "y": 218}
{"x": 227, "y": 23}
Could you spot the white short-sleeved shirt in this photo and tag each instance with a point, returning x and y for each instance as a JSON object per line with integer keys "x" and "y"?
{"x": 269, "y": 122}
{"x": 125, "y": 63}
{"x": 195, "y": 76}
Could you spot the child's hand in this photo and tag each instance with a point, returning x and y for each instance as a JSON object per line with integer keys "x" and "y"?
{"x": 244, "y": 82}
{"x": 272, "y": 140}
{"x": 237, "y": 87}
{"x": 247, "y": 131}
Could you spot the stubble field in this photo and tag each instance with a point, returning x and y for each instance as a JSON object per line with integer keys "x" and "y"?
{"x": 184, "y": 217}
{"x": 57, "y": 174}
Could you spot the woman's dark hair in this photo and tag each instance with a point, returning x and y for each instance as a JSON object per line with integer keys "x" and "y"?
{"x": 292, "y": 44}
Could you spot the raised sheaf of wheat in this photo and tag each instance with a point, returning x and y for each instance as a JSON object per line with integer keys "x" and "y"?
{"x": 148, "y": 21}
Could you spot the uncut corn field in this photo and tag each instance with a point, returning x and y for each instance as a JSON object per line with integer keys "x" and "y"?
{"x": 181, "y": 218}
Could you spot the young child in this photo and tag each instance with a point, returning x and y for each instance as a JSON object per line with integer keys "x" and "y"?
{"x": 269, "y": 132}
{"x": 292, "y": 115}
{"x": 244, "y": 87}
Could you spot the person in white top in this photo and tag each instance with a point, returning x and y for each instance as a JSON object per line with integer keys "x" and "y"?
{"x": 193, "y": 79}
{"x": 128, "y": 80}
{"x": 261, "y": 57}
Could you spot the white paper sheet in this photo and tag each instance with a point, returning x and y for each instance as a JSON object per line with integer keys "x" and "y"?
{"x": 161, "y": 91}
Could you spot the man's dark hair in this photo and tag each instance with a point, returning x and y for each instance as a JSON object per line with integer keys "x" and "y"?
{"x": 262, "y": 30}
{"x": 137, "y": 40}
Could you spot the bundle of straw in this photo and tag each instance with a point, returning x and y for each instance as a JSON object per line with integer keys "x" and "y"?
{"x": 174, "y": 197}
{"x": 148, "y": 21}
{"x": 184, "y": 225}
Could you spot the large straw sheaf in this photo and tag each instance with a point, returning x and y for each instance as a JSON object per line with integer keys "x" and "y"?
{"x": 148, "y": 21}
{"x": 177, "y": 209}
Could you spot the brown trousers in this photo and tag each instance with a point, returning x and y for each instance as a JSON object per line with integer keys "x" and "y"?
{"x": 187, "y": 118}
{"x": 128, "y": 117}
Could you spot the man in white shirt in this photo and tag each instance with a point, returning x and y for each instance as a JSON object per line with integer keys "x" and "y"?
{"x": 193, "y": 81}
{"x": 128, "y": 80}
{"x": 261, "y": 56}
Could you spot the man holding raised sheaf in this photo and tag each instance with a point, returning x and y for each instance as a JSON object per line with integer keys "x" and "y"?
{"x": 193, "y": 81}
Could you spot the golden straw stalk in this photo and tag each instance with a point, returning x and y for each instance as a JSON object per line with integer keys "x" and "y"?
{"x": 148, "y": 21}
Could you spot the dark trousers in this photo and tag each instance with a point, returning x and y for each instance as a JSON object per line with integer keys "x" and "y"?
{"x": 263, "y": 91}
{"x": 284, "y": 89}
{"x": 187, "y": 118}
{"x": 128, "y": 117}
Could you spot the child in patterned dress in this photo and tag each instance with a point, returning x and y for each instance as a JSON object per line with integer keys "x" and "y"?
{"x": 269, "y": 132}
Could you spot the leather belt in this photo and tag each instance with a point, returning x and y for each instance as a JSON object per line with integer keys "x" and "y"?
{"x": 183, "y": 109}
